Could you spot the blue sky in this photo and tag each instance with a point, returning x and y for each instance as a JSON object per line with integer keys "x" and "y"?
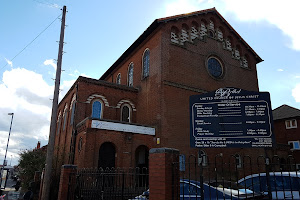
{"x": 98, "y": 32}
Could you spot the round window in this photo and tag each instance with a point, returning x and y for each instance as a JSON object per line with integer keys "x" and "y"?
{"x": 214, "y": 67}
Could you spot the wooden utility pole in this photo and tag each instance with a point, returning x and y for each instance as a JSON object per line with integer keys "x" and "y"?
{"x": 50, "y": 147}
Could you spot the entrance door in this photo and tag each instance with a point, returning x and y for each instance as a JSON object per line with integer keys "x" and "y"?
{"x": 107, "y": 154}
{"x": 141, "y": 157}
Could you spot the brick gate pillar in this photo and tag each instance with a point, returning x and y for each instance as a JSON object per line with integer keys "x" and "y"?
{"x": 163, "y": 173}
{"x": 66, "y": 172}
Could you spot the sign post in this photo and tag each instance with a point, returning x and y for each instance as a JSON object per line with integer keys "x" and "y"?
{"x": 231, "y": 118}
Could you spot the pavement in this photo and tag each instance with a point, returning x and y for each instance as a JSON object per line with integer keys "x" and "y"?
{"x": 10, "y": 191}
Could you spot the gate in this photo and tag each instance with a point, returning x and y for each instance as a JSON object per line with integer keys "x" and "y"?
{"x": 108, "y": 184}
{"x": 236, "y": 178}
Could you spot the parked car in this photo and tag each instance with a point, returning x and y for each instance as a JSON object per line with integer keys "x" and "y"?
{"x": 191, "y": 190}
{"x": 236, "y": 190}
{"x": 283, "y": 185}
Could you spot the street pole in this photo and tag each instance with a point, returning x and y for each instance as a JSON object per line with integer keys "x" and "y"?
{"x": 12, "y": 117}
{"x": 51, "y": 142}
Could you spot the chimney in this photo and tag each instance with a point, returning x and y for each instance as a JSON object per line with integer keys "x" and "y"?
{"x": 38, "y": 145}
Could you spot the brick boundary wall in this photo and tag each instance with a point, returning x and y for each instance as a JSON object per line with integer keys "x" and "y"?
{"x": 66, "y": 170}
{"x": 162, "y": 166}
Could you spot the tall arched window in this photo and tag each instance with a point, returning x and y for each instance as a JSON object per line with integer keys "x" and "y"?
{"x": 58, "y": 124}
{"x": 118, "y": 80}
{"x": 72, "y": 106}
{"x": 130, "y": 75}
{"x": 126, "y": 113}
{"x": 65, "y": 117}
{"x": 97, "y": 110}
{"x": 146, "y": 63}
{"x": 202, "y": 158}
{"x": 72, "y": 114}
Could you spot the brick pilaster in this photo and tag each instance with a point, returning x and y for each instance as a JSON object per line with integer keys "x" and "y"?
{"x": 66, "y": 171}
{"x": 161, "y": 170}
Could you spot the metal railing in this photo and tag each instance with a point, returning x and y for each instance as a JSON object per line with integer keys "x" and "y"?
{"x": 110, "y": 184}
{"x": 243, "y": 178}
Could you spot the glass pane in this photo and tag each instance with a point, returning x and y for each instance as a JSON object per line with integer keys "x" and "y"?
{"x": 96, "y": 113}
{"x": 296, "y": 145}
{"x": 58, "y": 126}
{"x": 65, "y": 120}
{"x": 125, "y": 114}
{"x": 293, "y": 123}
{"x": 130, "y": 75}
{"x": 72, "y": 114}
{"x": 214, "y": 67}
{"x": 146, "y": 64}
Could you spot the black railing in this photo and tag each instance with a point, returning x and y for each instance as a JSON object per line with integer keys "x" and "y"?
{"x": 110, "y": 184}
{"x": 237, "y": 178}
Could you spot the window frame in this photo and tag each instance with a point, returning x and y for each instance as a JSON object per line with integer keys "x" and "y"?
{"x": 289, "y": 124}
{"x": 72, "y": 113}
{"x": 65, "y": 117}
{"x": 209, "y": 70}
{"x": 130, "y": 72}
{"x": 58, "y": 124}
{"x": 118, "y": 79}
{"x": 80, "y": 144}
{"x": 129, "y": 112}
{"x": 293, "y": 142}
{"x": 147, "y": 73}
{"x": 101, "y": 109}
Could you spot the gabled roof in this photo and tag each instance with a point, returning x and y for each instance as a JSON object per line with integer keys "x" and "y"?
{"x": 159, "y": 21}
{"x": 285, "y": 112}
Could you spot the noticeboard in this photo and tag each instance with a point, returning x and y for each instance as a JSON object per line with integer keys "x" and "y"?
{"x": 231, "y": 118}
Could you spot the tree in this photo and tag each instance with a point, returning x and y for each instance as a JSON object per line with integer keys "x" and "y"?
{"x": 31, "y": 161}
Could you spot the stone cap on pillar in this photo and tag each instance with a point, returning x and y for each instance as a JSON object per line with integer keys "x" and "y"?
{"x": 164, "y": 150}
{"x": 69, "y": 166}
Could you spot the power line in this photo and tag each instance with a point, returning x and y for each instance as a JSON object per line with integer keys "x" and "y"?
{"x": 31, "y": 41}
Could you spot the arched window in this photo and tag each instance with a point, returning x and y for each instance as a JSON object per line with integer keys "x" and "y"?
{"x": 202, "y": 158}
{"x": 107, "y": 155}
{"x": 238, "y": 160}
{"x": 174, "y": 35}
{"x": 80, "y": 144}
{"x": 130, "y": 75}
{"x": 65, "y": 117}
{"x": 97, "y": 110}
{"x": 58, "y": 124}
{"x": 118, "y": 80}
{"x": 126, "y": 113}
{"x": 72, "y": 110}
{"x": 146, "y": 63}
{"x": 142, "y": 157}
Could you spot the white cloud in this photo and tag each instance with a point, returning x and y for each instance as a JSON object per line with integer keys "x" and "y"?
{"x": 280, "y": 70}
{"x": 284, "y": 15}
{"x": 76, "y": 73}
{"x": 27, "y": 95}
{"x": 51, "y": 63}
{"x": 9, "y": 62}
{"x": 296, "y": 93}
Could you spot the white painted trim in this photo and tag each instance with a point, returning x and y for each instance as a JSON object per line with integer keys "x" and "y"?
{"x": 114, "y": 126}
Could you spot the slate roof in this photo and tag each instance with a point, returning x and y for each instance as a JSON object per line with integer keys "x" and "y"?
{"x": 156, "y": 23}
{"x": 285, "y": 112}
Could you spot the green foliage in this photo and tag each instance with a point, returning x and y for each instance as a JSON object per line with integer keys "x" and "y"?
{"x": 31, "y": 161}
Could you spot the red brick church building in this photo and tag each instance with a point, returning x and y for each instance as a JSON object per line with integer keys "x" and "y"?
{"x": 142, "y": 100}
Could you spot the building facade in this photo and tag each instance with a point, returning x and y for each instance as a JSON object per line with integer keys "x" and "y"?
{"x": 142, "y": 100}
{"x": 287, "y": 132}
